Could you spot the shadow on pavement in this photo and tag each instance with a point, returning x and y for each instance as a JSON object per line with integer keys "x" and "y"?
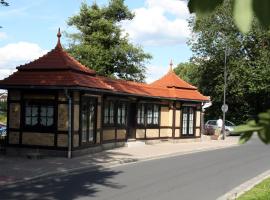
{"x": 64, "y": 187}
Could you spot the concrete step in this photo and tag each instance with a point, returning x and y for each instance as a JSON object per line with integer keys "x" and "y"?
{"x": 134, "y": 143}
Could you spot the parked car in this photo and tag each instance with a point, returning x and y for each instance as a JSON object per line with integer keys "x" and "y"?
{"x": 211, "y": 126}
{"x": 3, "y": 130}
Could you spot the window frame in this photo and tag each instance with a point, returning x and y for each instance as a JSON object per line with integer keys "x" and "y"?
{"x": 110, "y": 115}
{"x": 39, "y": 127}
{"x": 189, "y": 108}
{"x": 142, "y": 108}
{"x": 115, "y": 109}
{"x": 146, "y": 117}
{"x": 88, "y": 100}
{"x": 122, "y": 108}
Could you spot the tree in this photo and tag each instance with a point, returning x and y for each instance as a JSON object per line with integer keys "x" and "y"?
{"x": 248, "y": 64}
{"x": 101, "y": 44}
{"x": 256, "y": 57}
{"x": 189, "y": 72}
{"x": 4, "y": 3}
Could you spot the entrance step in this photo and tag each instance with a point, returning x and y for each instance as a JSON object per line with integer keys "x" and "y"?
{"x": 134, "y": 143}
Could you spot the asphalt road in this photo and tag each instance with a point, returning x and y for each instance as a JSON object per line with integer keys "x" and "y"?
{"x": 204, "y": 175}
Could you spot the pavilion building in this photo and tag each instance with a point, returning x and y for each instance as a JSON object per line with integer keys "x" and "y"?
{"x": 59, "y": 106}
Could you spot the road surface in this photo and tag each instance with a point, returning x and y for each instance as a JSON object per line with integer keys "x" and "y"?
{"x": 204, "y": 175}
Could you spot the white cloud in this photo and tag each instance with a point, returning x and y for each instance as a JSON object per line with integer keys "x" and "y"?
{"x": 3, "y": 35}
{"x": 155, "y": 72}
{"x": 15, "y": 54}
{"x": 160, "y": 22}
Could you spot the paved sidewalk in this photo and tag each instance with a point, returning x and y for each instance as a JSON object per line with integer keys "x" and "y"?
{"x": 17, "y": 169}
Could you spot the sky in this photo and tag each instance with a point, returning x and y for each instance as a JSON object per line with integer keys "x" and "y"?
{"x": 29, "y": 29}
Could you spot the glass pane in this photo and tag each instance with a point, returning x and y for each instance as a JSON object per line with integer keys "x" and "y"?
{"x": 124, "y": 115}
{"x": 43, "y": 121}
{"x": 43, "y": 111}
{"x": 34, "y": 121}
{"x": 28, "y": 121}
{"x": 50, "y": 111}
{"x": 84, "y": 126}
{"x": 34, "y": 111}
{"x": 149, "y": 115}
{"x": 139, "y": 115}
{"x": 184, "y": 132}
{"x": 28, "y": 111}
{"x": 49, "y": 121}
{"x": 119, "y": 114}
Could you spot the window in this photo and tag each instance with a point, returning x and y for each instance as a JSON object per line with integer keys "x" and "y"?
{"x": 88, "y": 119}
{"x": 140, "y": 114}
{"x": 188, "y": 121}
{"x": 121, "y": 114}
{"x": 39, "y": 115}
{"x": 109, "y": 113}
{"x": 152, "y": 115}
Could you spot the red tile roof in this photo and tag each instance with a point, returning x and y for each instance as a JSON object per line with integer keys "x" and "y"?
{"x": 56, "y": 59}
{"x": 171, "y": 80}
{"x": 57, "y": 68}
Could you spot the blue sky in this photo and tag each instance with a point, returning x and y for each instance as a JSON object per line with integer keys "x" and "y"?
{"x": 30, "y": 27}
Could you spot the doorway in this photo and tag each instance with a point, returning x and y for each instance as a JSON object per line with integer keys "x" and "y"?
{"x": 132, "y": 120}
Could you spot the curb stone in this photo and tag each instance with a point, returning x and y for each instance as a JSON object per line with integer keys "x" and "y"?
{"x": 112, "y": 164}
{"x": 241, "y": 189}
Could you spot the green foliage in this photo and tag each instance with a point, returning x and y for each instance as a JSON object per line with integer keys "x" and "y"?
{"x": 262, "y": 127}
{"x": 4, "y": 3}
{"x": 188, "y": 72}
{"x": 3, "y": 118}
{"x": 101, "y": 44}
{"x": 259, "y": 192}
{"x": 249, "y": 65}
{"x": 243, "y": 11}
{"x": 3, "y": 106}
{"x": 248, "y": 62}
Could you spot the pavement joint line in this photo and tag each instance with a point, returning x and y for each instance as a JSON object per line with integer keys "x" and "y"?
{"x": 113, "y": 164}
{"x": 244, "y": 187}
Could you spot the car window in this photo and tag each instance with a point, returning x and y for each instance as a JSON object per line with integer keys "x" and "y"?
{"x": 228, "y": 123}
{"x": 212, "y": 122}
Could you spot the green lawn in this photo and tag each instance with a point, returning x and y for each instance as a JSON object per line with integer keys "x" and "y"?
{"x": 259, "y": 192}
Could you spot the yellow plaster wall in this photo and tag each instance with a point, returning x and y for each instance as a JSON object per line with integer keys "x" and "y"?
{"x": 14, "y": 115}
{"x": 109, "y": 134}
{"x": 76, "y": 96}
{"x": 198, "y": 132}
{"x": 121, "y": 134}
{"x": 166, "y": 132}
{"x": 43, "y": 139}
{"x": 140, "y": 133}
{"x": 62, "y": 140}
{"x": 164, "y": 116}
{"x": 98, "y": 137}
{"x": 152, "y": 133}
{"x": 75, "y": 140}
{"x": 177, "y": 132}
{"x": 62, "y": 96}
{"x": 198, "y": 118}
{"x": 76, "y": 117}
{"x": 14, "y": 137}
{"x": 177, "y": 118}
{"x": 62, "y": 117}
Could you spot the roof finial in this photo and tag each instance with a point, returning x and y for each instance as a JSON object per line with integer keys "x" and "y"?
{"x": 59, "y": 36}
{"x": 171, "y": 66}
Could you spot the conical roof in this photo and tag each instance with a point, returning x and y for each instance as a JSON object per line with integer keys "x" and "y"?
{"x": 56, "y": 59}
{"x": 171, "y": 80}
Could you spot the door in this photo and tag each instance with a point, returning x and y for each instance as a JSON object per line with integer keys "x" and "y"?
{"x": 88, "y": 120}
{"x": 132, "y": 120}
